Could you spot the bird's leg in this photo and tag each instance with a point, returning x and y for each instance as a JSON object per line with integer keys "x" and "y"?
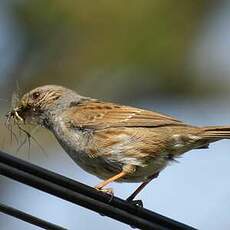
{"x": 111, "y": 179}
{"x": 127, "y": 169}
{"x": 139, "y": 189}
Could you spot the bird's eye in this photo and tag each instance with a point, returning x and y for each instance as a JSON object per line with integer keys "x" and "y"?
{"x": 35, "y": 95}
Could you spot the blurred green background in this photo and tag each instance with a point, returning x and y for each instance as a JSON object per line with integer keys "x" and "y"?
{"x": 170, "y": 56}
{"x": 121, "y": 49}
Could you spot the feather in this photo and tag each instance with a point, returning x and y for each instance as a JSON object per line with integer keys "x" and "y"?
{"x": 99, "y": 115}
{"x": 216, "y": 132}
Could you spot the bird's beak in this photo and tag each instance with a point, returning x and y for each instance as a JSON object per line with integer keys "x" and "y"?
{"x": 16, "y": 114}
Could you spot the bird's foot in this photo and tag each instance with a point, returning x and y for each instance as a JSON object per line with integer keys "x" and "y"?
{"x": 108, "y": 191}
{"x": 138, "y": 203}
{"x": 105, "y": 190}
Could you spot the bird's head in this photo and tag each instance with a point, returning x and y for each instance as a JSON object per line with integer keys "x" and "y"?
{"x": 41, "y": 102}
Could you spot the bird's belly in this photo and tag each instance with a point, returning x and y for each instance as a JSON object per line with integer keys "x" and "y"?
{"x": 104, "y": 168}
{"x": 98, "y": 166}
{"x": 142, "y": 173}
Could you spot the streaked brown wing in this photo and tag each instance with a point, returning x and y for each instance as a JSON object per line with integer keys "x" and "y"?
{"x": 125, "y": 145}
{"x": 99, "y": 115}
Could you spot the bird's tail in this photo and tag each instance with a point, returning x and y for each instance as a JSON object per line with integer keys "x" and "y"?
{"x": 216, "y": 132}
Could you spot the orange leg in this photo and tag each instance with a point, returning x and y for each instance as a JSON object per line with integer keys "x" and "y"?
{"x": 111, "y": 179}
{"x": 127, "y": 169}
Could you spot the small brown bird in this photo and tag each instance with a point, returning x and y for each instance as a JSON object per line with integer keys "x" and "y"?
{"x": 114, "y": 142}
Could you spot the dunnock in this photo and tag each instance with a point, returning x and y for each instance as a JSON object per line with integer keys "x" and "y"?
{"x": 114, "y": 142}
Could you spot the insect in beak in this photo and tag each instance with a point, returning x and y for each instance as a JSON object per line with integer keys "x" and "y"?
{"x": 14, "y": 114}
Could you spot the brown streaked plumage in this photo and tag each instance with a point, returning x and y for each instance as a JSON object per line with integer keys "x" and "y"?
{"x": 114, "y": 142}
{"x": 102, "y": 115}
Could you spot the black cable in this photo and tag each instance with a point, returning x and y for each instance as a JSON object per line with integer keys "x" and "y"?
{"x": 77, "y": 198}
{"x": 83, "y": 195}
{"x": 29, "y": 218}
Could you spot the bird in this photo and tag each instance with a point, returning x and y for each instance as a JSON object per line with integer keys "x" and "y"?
{"x": 114, "y": 142}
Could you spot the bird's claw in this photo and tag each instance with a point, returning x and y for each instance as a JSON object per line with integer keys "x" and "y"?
{"x": 105, "y": 190}
{"x": 108, "y": 191}
{"x": 138, "y": 203}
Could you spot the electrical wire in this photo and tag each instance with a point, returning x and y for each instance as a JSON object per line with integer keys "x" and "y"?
{"x": 29, "y": 218}
{"x": 84, "y": 195}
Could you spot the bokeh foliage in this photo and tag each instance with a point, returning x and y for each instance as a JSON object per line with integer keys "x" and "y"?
{"x": 117, "y": 47}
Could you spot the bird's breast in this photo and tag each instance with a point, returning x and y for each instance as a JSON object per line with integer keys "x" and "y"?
{"x": 109, "y": 162}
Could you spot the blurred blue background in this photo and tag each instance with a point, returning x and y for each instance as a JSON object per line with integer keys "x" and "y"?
{"x": 169, "y": 56}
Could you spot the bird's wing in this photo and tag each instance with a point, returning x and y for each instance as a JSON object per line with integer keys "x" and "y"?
{"x": 99, "y": 115}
